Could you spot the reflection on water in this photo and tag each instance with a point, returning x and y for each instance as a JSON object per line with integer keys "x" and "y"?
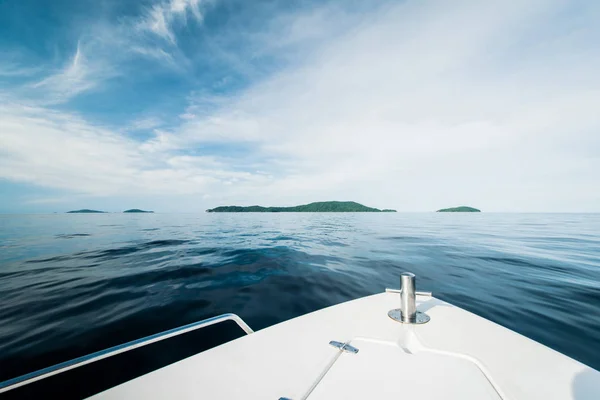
{"x": 73, "y": 284}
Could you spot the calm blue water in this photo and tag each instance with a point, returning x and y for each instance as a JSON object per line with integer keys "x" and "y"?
{"x": 72, "y": 284}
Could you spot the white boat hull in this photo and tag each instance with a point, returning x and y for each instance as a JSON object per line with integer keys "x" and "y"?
{"x": 457, "y": 355}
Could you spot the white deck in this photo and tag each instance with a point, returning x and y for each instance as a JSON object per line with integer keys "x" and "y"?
{"x": 457, "y": 355}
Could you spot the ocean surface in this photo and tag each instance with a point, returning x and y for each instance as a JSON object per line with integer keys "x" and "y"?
{"x": 71, "y": 284}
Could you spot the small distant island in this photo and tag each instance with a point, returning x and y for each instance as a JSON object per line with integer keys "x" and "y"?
{"x": 323, "y": 206}
{"x": 459, "y": 209}
{"x": 137, "y": 210}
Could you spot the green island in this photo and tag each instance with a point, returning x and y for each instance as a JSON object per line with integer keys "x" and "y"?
{"x": 322, "y": 206}
{"x": 459, "y": 209}
{"x": 137, "y": 210}
{"x": 86, "y": 211}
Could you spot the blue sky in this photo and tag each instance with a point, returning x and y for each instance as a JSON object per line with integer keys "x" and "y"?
{"x": 182, "y": 105}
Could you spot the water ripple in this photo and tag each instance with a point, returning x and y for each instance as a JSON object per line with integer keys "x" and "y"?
{"x": 69, "y": 284}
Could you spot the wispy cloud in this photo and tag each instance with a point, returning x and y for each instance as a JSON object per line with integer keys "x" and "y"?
{"x": 76, "y": 77}
{"x": 156, "y": 53}
{"x": 13, "y": 69}
{"x": 146, "y": 123}
{"x": 60, "y": 150}
{"x": 159, "y": 18}
{"x": 106, "y": 50}
{"x": 49, "y": 200}
{"x": 412, "y": 105}
{"x": 431, "y": 102}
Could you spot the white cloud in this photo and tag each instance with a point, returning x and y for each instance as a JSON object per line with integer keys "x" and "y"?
{"x": 104, "y": 51}
{"x": 13, "y": 69}
{"x": 49, "y": 200}
{"x": 77, "y": 76}
{"x": 414, "y": 106}
{"x": 428, "y": 106}
{"x": 159, "y": 19}
{"x": 155, "y": 53}
{"x": 59, "y": 150}
{"x": 187, "y": 116}
{"x": 145, "y": 123}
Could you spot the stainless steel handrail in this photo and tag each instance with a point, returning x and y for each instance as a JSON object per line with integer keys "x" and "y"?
{"x": 112, "y": 351}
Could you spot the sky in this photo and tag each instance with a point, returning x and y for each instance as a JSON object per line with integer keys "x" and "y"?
{"x": 184, "y": 105}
